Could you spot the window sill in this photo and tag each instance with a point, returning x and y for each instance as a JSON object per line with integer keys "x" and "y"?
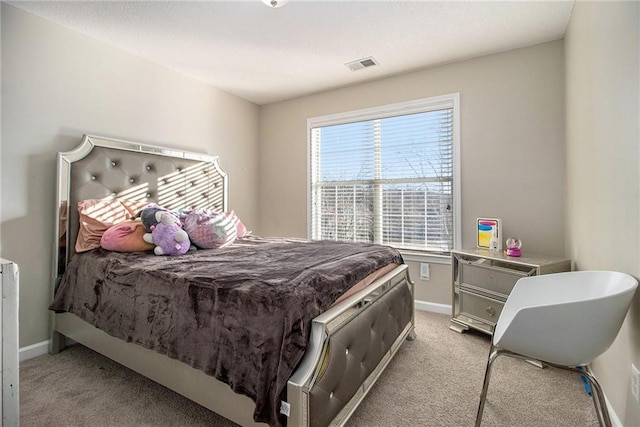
{"x": 425, "y": 257}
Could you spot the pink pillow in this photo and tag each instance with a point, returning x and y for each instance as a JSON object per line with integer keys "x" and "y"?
{"x": 98, "y": 215}
{"x": 126, "y": 237}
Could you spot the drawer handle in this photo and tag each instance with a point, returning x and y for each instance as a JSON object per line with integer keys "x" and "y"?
{"x": 490, "y": 311}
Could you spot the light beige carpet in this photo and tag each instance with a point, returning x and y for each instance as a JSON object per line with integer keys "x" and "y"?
{"x": 433, "y": 381}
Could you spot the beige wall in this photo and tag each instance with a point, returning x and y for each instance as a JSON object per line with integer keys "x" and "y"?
{"x": 512, "y": 147}
{"x": 603, "y": 157}
{"x": 58, "y": 84}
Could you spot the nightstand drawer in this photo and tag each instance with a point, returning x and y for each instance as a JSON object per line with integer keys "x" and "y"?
{"x": 480, "y": 307}
{"x": 490, "y": 278}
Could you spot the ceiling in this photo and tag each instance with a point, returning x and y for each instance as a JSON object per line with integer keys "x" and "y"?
{"x": 267, "y": 54}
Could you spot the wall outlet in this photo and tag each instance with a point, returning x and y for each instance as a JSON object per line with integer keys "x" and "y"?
{"x": 424, "y": 271}
{"x": 635, "y": 382}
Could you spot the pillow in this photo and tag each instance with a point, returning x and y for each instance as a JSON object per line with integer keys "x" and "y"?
{"x": 209, "y": 230}
{"x": 126, "y": 237}
{"x": 98, "y": 215}
{"x": 241, "y": 229}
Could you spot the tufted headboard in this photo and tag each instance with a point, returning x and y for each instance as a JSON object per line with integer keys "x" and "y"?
{"x": 108, "y": 168}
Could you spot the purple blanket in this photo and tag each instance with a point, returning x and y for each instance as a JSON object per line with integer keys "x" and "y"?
{"x": 241, "y": 314}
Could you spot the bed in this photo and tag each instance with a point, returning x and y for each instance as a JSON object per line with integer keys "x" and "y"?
{"x": 339, "y": 317}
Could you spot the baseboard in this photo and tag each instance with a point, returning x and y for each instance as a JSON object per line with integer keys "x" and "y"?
{"x": 34, "y": 350}
{"x": 433, "y": 307}
{"x": 615, "y": 421}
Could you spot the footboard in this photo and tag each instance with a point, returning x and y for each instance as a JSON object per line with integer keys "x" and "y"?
{"x": 351, "y": 344}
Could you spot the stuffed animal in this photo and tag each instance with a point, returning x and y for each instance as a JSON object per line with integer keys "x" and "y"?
{"x": 148, "y": 216}
{"x": 168, "y": 235}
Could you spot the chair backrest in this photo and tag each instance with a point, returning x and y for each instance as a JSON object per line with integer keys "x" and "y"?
{"x": 565, "y": 318}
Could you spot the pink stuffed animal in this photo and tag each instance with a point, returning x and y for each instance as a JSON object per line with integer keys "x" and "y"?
{"x": 168, "y": 235}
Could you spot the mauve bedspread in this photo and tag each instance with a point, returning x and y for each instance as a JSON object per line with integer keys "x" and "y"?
{"x": 241, "y": 314}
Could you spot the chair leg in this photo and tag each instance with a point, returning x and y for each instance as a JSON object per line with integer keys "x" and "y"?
{"x": 602, "y": 411}
{"x": 493, "y": 354}
{"x": 596, "y": 393}
{"x": 598, "y": 399}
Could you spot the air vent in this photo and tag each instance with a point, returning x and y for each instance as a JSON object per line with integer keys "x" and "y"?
{"x": 361, "y": 63}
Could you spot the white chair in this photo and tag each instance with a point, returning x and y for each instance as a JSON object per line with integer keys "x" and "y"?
{"x": 564, "y": 320}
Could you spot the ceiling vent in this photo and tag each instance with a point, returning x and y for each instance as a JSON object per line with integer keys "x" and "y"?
{"x": 361, "y": 63}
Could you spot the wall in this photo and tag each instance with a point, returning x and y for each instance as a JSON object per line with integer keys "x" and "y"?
{"x": 603, "y": 179}
{"x": 58, "y": 84}
{"x": 512, "y": 148}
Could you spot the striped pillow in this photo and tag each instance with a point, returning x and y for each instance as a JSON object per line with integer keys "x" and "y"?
{"x": 241, "y": 229}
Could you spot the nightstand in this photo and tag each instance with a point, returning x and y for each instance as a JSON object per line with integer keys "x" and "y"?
{"x": 483, "y": 279}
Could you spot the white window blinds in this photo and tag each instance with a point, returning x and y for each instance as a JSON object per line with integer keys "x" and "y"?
{"x": 385, "y": 179}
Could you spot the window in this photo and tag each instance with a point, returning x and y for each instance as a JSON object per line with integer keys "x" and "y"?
{"x": 387, "y": 175}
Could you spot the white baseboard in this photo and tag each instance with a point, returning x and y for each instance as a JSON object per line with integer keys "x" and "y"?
{"x": 615, "y": 421}
{"x": 34, "y": 350}
{"x": 432, "y": 306}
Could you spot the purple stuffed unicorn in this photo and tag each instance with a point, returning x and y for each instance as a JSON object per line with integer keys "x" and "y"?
{"x": 168, "y": 235}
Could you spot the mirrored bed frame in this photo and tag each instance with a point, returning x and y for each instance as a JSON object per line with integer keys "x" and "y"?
{"x": 322, "y": 391}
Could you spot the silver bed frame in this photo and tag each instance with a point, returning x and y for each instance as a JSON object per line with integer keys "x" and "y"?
{"x": 350, "y": 344}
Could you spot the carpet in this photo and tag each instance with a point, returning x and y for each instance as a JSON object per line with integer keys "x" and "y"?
{"x": 434, "y": 380}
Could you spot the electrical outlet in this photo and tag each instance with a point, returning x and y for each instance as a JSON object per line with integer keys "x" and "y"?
{"x": 424, "y": 271}
{"x": 635, "y": 382}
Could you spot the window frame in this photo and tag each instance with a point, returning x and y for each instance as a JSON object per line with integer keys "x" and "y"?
{"x": 402, "y": 108}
